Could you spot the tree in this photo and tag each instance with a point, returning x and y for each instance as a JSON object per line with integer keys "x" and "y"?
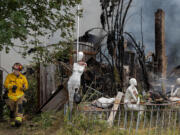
{"x": 142, "y": 60}
{"x": 25, "y": 21}
{"x": 113, "y": 18}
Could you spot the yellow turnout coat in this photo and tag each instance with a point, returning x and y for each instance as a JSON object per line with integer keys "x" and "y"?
{"x": 19, "y": 81}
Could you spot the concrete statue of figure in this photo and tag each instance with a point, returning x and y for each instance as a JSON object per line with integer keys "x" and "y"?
{"x": 131, "y": 98}
{"x": 175, "y": 91}
{"x": 103, "y": 102}
{"x": 75, "y": 79}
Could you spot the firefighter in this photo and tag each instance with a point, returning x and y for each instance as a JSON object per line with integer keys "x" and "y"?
{"x": 15, "y": 85}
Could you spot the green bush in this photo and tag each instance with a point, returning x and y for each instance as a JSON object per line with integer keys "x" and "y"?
{"x": 83, "y": 125}
{"x": 31, "y": 95}
{"x": 6, "y": 112}
{"x": 43, "y": 120}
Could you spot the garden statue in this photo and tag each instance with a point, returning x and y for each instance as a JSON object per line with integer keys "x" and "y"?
{"x": 75, "y": 79}
{"x": 175, "y": 91}
{"x": 131, "y": 98}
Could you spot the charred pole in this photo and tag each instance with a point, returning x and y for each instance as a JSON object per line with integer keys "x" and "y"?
{"x": 160, "y": 48}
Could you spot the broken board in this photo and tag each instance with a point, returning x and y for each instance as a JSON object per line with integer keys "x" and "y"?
{"x": 57, "y": 100}
{"x": 115, "y": 108}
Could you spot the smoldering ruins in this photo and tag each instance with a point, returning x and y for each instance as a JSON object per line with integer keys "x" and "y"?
{"x": 118, "y": 77}
{"x": 149, "y": 68}
{"x": 115, "y": 56}
{"x": 117, "y": 63}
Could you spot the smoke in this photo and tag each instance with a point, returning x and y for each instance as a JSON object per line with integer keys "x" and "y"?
{"x": 91, "y": 19}
{"x": 172, "y": 21}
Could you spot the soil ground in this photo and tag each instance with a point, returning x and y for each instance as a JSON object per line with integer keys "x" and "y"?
{"x": 32, "y": 127}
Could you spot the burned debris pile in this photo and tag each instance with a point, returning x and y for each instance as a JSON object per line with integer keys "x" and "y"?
{"x": 107, "y": 73}
{"x": 114, "y": 57}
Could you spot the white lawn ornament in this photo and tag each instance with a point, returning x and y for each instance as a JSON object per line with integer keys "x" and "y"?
{"x": 104, "y": 102}
{"x": 75, "y": 79}
{"x": 131, "y": 99}
{"x": 175, "y": 94}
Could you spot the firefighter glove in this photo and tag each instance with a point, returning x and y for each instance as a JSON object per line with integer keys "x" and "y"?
{"x": 14, "y": 88}
{"x": 5, "y": 95}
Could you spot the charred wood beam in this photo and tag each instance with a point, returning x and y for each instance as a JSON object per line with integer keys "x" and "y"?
{"x": 141, "y": 59}
{"x": 160, "y": 49}
{"x": 121, "y": 61}
{"x": 114, "y": 20}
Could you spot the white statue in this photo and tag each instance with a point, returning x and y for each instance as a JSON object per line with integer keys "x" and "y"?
{"x": 74, "y": 81}
{"x": 131, "y": 99}
{"x": 175, "y": 91}
{"x": 103, "y": 102}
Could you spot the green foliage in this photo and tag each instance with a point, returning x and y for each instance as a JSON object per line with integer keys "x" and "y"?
{"x": 58, "y": 53}
{"x": 31, "y": 95}
{"x": 81, "y": 124}
{"x": 6, "y": 112}
{"x": 29, "y": 20}
{"x": 44, "y": 120}
{"x": 62, "y": 55}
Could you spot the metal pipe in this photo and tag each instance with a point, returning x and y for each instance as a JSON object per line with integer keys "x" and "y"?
{"x": 131, "y": 122}
{"x": 77, "y": 33}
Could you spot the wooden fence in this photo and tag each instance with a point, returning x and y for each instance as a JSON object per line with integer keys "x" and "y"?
{"x": 46, "y": 82}
{"x": 52, "y": 94}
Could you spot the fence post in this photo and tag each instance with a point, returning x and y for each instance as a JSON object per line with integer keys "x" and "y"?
{"x": 115, "y": 108}
{"x": 46, "y": 82}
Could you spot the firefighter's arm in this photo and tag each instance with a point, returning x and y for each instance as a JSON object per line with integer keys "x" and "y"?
{"x": 7, "y": 83}
{"x": 25, "y": 83}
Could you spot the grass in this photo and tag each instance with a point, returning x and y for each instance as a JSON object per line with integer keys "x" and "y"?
{"x": 82, "y": 124}
{"x": 40, "y": 124}
{"x": 55, "y": 123}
